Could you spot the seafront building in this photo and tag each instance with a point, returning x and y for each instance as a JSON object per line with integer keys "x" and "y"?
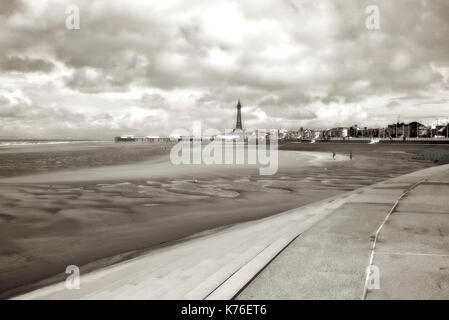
{"x": 403, "y": 131}
{"x": 391, "y": 132}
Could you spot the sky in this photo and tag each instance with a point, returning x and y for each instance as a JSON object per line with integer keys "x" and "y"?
{"x": 151, "y": 67}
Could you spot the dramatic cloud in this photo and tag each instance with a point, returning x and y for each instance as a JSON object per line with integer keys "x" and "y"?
{"x": 148, "y": 67}
{"x": 25, "y": 65}
{"x": 7, "y": 7}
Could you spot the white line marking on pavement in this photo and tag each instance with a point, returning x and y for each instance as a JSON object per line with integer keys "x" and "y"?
{"x": 376, "y": 236}
{"x": 412, "y": 254}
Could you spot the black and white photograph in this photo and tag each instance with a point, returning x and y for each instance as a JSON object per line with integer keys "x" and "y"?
{"x": 245, "y": 151}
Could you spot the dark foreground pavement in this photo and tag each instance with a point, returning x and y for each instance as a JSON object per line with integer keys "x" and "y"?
{"x": 400, "y": 227}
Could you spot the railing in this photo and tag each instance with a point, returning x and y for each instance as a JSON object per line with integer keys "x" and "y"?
{"x": 384, "y": 139}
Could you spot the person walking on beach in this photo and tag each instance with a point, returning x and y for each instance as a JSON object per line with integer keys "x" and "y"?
{"x": 350, "y": 155}
{"x": 333, "y": 155}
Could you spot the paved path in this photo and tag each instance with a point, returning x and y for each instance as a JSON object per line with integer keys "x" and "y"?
{"x": 400, "y": 226}
{"x": 319, "y": 251}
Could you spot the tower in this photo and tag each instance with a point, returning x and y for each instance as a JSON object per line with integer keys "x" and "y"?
{"x": 238, "y": 124}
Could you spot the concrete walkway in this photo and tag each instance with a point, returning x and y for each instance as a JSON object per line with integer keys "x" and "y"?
{"x": 320, "y": 251}
{"x": 400, "y": 226}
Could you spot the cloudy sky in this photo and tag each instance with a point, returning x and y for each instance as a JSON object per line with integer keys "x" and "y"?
{"x": 148, "y": 67}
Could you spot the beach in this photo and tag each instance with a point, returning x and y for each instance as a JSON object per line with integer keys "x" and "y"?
{"x": 94, "y": 204}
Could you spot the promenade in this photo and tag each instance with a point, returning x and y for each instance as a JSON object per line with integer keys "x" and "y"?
{"x": 400, "y": 226}
{"x": 319, "y": 251}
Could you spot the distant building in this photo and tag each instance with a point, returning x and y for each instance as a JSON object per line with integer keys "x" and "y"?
{"x": 408, "y": 130}
{"x": 238, "y": 124}
{"x": 368, "y": 132}
{"x": 416, "y": 130}
{"x": 440, "y": 131}
{"x": 339, "y": 132}
{"x": 397, "y": 130}
{"x": 354, "y": 131}
{"x": 282, "y": 134}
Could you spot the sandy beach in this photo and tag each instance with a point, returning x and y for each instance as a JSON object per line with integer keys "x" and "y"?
{"x": 93, "y": 204}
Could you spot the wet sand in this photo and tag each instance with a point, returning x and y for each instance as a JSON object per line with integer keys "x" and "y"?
{"x": 107, "y": 202}
{"x": 21, "y": 160}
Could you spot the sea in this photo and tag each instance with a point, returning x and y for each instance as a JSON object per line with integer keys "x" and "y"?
{"x": 26, "y": 142}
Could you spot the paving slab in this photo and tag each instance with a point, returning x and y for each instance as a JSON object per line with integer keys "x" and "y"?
{"x": 326, "y": 262}
{"x": 383, "y": 196}
{"x": 423, "y": 233}
{"x": 411, "y": 277}
{"x": 426, "y": 197}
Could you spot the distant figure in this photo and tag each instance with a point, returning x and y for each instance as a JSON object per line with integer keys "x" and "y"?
{"x": 350, "y": 155}
{"x": 333, "y": 155}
